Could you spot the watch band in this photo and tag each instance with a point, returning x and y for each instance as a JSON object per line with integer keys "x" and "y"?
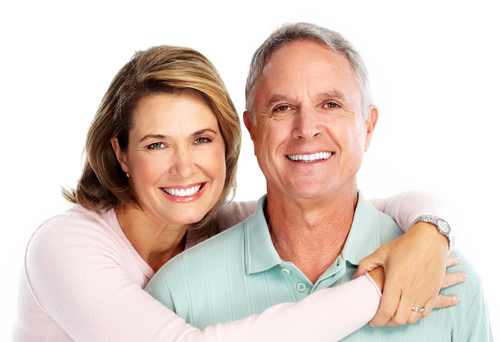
{"x": 442, "y": 226}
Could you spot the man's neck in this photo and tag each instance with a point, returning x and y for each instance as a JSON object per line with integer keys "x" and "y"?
{"x": 311, "y": 234}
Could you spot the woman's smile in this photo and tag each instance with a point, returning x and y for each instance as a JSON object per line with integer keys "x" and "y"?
{"x": 183, "y": 194}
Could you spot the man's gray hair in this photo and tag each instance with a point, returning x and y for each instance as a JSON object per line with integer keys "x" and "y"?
{"x": 289, "y": 33}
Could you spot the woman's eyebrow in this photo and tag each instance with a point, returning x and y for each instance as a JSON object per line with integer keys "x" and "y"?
{"x": 162, "y": 137}
{"x": 203, "y": 131}
{"x": 153, "y": 136}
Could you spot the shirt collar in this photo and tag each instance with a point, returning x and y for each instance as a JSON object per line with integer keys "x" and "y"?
{"x": 363, "y": 239}
{"x": 260, "y": 254}
{"x": 364, "y": 236}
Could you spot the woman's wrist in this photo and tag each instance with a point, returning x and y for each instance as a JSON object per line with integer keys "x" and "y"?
{"x": 378, "y": 276}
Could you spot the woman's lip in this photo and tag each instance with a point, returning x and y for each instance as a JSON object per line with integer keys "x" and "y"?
{"x": 185, "y": 199}
{"x": 183, "y": 186}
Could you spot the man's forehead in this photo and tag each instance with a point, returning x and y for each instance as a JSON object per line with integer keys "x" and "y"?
{"x": 306, "y": 67}
{"x": 302, "y": 49}
{"x": 307, "y": 58}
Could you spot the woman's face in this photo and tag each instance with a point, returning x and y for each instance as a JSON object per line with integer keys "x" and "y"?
{"x": 175, "y": 157}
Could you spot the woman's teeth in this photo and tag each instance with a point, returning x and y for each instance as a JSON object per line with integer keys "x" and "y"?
{"x": 183, "y": 192}
{"x": 309, "y": 158}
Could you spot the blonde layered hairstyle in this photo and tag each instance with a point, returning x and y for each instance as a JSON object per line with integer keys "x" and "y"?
{"x": 162, "y": 69}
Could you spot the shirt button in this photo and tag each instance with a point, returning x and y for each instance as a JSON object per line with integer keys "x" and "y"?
{"x": 301, "y": 287}
{"x": 285, "y": 271}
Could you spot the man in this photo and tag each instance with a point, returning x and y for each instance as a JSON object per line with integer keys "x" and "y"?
{"x": 311, "y": 119}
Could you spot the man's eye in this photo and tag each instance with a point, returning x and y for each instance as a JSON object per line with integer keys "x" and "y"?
{"x": 332, "y": 105}
{"x": 156, "y": 145}
{"x": 281, "y": 108}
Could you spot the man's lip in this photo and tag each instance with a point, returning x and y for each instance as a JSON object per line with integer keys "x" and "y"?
{"x": 310, "y": 156}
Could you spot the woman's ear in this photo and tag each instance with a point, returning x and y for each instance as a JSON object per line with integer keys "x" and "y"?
{"x": 120, "y": 155}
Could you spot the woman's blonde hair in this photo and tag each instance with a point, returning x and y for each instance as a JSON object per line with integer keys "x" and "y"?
{"x": 161, "y": 69}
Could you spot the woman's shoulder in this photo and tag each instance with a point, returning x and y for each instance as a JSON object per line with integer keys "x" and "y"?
{"x": 233, "y": 213}
{"x": 77, "y": 216}
{"x": 73, "y": 226}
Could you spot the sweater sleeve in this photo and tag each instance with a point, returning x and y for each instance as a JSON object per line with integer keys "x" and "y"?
{"x": 326, "y": 315}
{"x": 81, "y": 280}
{"x": 406, "y": 207}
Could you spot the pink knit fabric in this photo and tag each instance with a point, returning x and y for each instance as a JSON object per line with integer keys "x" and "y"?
{"x": 84, "y": 281}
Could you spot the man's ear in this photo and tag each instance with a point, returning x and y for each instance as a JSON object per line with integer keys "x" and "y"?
{"x": 371, "y": 122}
{"x": 120, "y": 155}
{"x": 249, "y": 125}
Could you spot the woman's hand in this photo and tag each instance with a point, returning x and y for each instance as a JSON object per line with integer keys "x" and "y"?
{"x": 415, "y": 266}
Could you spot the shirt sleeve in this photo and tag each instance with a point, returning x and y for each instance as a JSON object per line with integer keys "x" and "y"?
{"x": 476, "y": 326}
{"x": 406, "y": 207}
{"x": 81, "y": 280}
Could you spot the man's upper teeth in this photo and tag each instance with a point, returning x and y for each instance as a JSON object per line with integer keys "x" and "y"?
{"x": 183, "y": 192}
{"x": 310, "y": 157}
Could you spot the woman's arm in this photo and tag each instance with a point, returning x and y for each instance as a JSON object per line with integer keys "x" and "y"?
{"x": 414, "y": 263}
{"x": 404, "y": 208}
{"x": 81, "y": 286}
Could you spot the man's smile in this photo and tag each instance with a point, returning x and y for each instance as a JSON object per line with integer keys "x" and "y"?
{"x": 309, "y": 158}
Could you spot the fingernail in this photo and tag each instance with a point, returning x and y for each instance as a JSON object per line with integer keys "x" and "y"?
{"x": 456, "y": 299}
{"x": 463, "y": 276}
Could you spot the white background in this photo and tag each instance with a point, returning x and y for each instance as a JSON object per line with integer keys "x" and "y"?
{"x": 434, "y": 68}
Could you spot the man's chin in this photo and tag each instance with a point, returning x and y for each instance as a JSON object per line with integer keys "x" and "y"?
{"x": 317, "y": 191}
{"x": 310, "y": 193}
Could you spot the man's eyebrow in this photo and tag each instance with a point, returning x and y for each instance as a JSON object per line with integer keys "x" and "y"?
{"x": 273, "y": 100}
{"x": 332, "y": 95}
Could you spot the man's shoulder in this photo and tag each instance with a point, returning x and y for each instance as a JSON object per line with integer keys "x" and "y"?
{"x": 466, "y": 321}
{"x": 469, "y": 289}
{"x": 221, "y": 240}
{"x": 194, "y": 278}
{"x": 210, "y": 252}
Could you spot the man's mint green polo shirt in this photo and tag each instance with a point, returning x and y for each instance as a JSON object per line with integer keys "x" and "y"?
{"x": 239, "y": 273}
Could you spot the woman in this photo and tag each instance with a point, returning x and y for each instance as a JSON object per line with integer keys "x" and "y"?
{"x": 161, "y": 158}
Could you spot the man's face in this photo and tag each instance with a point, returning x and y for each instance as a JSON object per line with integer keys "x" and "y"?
{"x": 310, "y": 135}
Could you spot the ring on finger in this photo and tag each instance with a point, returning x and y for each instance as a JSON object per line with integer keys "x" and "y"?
{"x": 417, "y": 310}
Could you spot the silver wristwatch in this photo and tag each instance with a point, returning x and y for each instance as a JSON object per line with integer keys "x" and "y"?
{"x": 442, "y": 226}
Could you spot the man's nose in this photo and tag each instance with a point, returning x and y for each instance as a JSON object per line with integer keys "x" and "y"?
{"x": 306, "y": 125}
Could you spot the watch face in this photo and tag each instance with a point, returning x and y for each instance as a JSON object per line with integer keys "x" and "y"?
{"x": 443, "y": 226}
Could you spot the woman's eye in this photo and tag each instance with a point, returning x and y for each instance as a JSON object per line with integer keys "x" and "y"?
{"x": 156, "y": 145}
{"x": 202, "y": 140}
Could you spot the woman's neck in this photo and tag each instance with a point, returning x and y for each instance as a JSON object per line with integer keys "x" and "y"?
{"x": 156, "y": 243}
